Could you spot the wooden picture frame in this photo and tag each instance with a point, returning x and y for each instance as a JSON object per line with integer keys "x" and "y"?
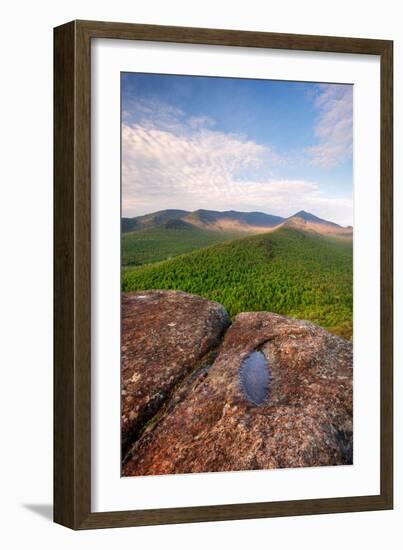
{"x": 72, "y": 270}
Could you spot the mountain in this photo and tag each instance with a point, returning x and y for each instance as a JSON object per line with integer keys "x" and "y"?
{"x": 155, "y": 219}
{"x": 129, "y": 224}
{"x": 287, "y": 271}
{"x": 234, "y": 222}
{"x": 211, "y": 220}
{"x": 308, "y": 217}
{"x": 177, "y": 224}
{"x": 169, "y": 233}
{"x": 305, "y": 221}
{"x": 231, "y": 220}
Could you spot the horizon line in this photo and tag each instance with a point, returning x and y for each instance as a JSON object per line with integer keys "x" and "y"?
{"x": 237, "y": 211}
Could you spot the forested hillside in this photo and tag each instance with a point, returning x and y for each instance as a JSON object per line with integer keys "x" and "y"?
{"x": 287, "y": 271}
{"x": 172, "y": 239}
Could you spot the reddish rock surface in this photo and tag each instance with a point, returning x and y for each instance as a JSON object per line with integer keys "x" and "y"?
{"x": 210, "y": 425}
{"x": 164, "y": 335}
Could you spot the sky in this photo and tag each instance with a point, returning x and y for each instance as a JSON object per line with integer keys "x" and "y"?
{"x": 278, "y": 147}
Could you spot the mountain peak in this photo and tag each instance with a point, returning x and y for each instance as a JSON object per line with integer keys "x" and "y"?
{"x": 311, "y": 218}
{"x": 230, "y": 220}
{"x": 306, "y": 216}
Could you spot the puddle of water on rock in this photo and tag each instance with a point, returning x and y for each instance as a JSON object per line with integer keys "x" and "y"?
{"x": 255, "y": 377}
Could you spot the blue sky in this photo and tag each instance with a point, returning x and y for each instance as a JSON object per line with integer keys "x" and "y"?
{"x": 226, "y": 143}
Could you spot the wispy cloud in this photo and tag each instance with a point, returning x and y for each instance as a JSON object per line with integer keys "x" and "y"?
{"x": 174, "y": 161}
{"x": 152, "y": 112}
{"x": 334, "y": 128}
{"x": 201, "y": 121}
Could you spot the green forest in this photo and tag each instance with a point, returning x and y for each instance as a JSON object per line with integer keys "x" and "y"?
{"x": 286, "y": 271}
{"x": 159, "y": 243}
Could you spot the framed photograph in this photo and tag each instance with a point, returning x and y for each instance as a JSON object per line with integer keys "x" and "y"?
{"x": 222, "y": 274}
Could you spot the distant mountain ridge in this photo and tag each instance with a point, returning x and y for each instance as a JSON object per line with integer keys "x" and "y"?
{"x": 308, "y": 217}
{"x": 307, "y": 222}
{"x": 234, "y": 221}
{"x": 231, "y": 220}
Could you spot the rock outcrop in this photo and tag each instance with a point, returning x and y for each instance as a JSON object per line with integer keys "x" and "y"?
{"x": 208, "y": 422}
{"x": 164, "y": 336}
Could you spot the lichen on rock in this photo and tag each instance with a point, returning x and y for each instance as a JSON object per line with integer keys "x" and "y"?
{"x": 205, "y": 421}
{"x": 164, "y": 334}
